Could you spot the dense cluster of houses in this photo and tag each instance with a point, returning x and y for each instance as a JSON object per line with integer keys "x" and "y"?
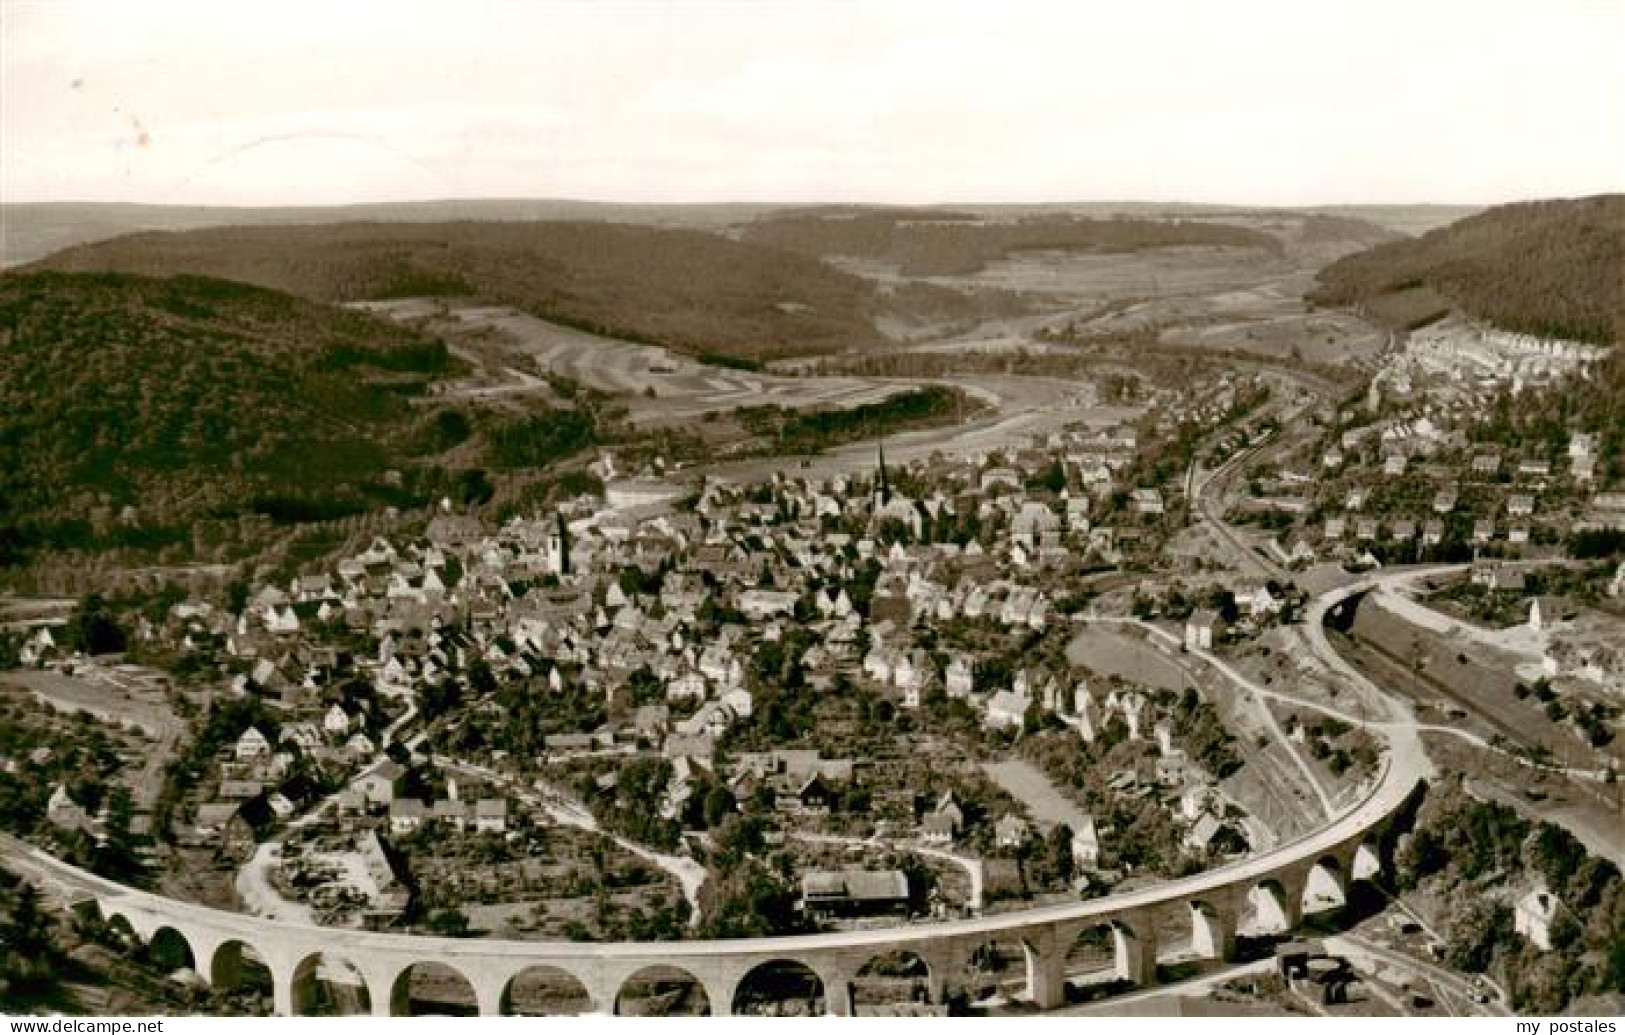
{"x": 1404, "y": 484}
{"x": 667, "y": 586}
{"x": 683, "y": 595}
{"x": 1402, "y": 476}
{"x": 1484, "y": 359}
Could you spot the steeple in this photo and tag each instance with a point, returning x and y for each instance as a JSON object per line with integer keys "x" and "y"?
{"x": 885, "y": 483}
{"x": 564, "y": 544}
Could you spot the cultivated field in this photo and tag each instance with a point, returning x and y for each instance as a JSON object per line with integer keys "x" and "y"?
{"x": 1203, "y": 297}
{"x": 658, "y": 385}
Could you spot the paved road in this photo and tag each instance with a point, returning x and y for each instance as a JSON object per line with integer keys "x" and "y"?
{"x": 1209, "y": 513}
{"x": 260, "y": 896}
{"x": 1256, "y": 695}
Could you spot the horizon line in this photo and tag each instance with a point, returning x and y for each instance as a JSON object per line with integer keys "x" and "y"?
{"x": 832, "y": 202}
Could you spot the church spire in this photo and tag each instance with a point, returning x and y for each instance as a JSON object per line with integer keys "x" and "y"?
{"x": 885, "y": 482}
{"x": 564, "y": 544}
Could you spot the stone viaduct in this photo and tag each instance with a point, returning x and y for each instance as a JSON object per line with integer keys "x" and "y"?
{"x": 1274, "y": 889}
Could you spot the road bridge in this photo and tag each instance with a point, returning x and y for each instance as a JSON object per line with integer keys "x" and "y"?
{"x": 1275, "y": 888}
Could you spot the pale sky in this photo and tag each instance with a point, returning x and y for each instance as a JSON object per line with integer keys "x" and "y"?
{"x": 1237, "y": 101}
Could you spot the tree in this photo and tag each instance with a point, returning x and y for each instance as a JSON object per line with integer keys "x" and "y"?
{"x": 719, "y": 805}
{"x": 237, "y": 594}
{"x": 27, "y": 930}
{"x": 1555, "y": 854}
{"x": 93, "y": 629}
{"x": 1476, "y": 933}
{"x": 480, "y": 677}
{"x": 1059, "y": 845}
{"x": 29, "y": 962}
{"x": 451, "y": 922}
{"x": 116, "y": 856}
{"x": 749, "y": 901}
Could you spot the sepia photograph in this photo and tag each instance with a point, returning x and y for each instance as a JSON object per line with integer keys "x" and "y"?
{"x": 719, "y": 508}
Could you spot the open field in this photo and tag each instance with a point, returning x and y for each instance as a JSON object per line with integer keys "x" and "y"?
{"x": 1238, "y": 299}
{"x": 1026, "y": 783}
{"x": 120, "y": 695}
{"x": 657, "y": 383}
{"x": 1113, "y": 653}
{"x": 661, "y": 387}
{"x": 1160, "y": 272}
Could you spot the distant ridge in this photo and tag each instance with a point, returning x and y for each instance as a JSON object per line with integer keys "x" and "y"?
{"x": 1543, "y": 267}
{"x": 700, "y": 292}
{"x": 30, "y": 231}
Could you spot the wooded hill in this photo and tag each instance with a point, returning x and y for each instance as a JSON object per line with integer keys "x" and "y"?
{"x": 1547, "y": 267}
{"x": 934, "y": 243}
{"x": 136, "y": 411}
{"x": 692, "y": 290}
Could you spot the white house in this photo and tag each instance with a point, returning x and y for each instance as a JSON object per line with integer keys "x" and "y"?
{"x": 1006, "y": 708}
{"x": 1199, "y": 629}
{"x": 911, "y": 674}
{"x": 764, "y": 603}
{"x": 1533, "y": 917}
{"x": 281, "y": 621}
{"x": 336, "y": 722}
{"x": 252, "y": 745}
{"x": 65, "y": 813}
{"x": 491, "y": 815}
{"x": 1011, "y": 832}
{"x": 1086, "y": 843}
{"x": 38, "y": 647}
{"x": 688, "y": 685}
{"x": 881, "y": 663}
{"x": 1035, "y": 525}
{"x": 406, "y": 815}
{"x": 1546, "y": 613}
{"x": 1257, "y": 600}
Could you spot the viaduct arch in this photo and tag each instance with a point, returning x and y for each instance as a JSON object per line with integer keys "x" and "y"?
{"x": 374, "y": 966}
{"x": 313, "y": 968}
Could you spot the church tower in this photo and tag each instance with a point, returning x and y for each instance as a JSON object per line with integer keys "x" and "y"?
{"x": 558, "y": 547}
{"x": 885, "y": 481}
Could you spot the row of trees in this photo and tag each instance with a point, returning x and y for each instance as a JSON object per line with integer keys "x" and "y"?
{"x": 795, "y": 432}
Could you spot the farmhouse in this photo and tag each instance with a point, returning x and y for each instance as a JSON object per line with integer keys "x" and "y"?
{"x": 847, "y": 893}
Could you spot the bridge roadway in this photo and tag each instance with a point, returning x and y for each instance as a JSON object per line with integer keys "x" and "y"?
{"x": 1277, "y": 885}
